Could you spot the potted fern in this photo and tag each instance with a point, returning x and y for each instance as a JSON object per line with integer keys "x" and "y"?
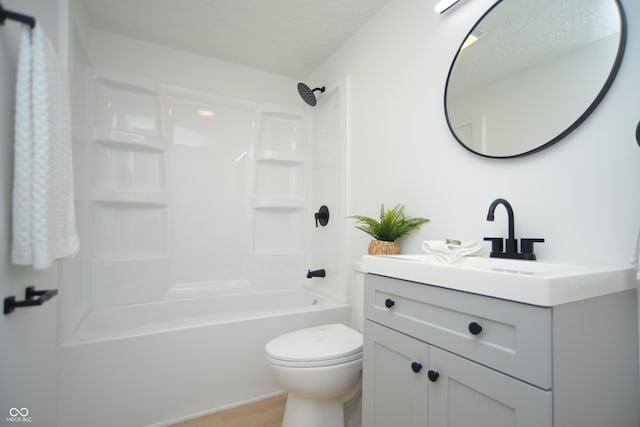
{"x": 392, "y": 225}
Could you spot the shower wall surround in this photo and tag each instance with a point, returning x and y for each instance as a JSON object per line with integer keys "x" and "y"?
{"x": 192, "y": 188}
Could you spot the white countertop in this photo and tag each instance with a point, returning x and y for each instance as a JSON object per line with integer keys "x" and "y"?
{"x": 532, "y": 282}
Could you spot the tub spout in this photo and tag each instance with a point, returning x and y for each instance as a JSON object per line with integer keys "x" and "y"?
{"x": 315, "y": 273}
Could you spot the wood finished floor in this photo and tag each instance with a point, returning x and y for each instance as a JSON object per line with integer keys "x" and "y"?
{"x": 266, "y": 413}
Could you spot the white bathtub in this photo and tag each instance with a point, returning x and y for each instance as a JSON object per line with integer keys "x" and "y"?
{"x": 159, "y": 363}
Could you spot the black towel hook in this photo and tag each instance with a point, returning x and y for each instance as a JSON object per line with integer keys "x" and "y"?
{"x": 7, "y": 14}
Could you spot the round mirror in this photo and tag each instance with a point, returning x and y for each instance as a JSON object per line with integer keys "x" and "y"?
{"x": 530, "y": 71}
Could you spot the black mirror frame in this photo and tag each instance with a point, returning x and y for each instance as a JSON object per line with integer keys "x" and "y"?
{"x": 603, "y": 91}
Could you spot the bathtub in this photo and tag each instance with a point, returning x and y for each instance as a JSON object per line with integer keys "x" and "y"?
{"x": 159, "y": 363}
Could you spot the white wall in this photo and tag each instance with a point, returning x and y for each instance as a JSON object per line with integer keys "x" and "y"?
{"x": 580, "y": 194}
{"x": 187, "y": 70}
{"x": 28, "y": 358}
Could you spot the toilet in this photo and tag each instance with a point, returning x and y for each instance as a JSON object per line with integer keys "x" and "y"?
{"x": 321, "y": 369}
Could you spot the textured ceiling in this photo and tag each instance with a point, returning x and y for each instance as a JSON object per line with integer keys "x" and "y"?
{"x": 521, "y": 34}
{"x": 288, "y": 37}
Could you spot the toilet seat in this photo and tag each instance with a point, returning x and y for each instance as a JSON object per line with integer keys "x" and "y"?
{"x": 324, "y": 345}
{"x": 314, "y": 364}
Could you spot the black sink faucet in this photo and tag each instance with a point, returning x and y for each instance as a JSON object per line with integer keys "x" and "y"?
{"x": 512, "y": 243}
{"x": 511, "y": 250}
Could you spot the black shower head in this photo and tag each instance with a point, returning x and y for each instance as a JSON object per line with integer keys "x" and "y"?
{"x": 307, "y": 94}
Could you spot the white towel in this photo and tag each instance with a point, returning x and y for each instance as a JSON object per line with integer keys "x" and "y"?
{"x": 43, "y": 214}
{"x": 21, "y": 252}
{"x": 448, "y": 251}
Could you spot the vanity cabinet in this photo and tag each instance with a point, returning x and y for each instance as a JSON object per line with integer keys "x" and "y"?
{"x": 444, "y": 358}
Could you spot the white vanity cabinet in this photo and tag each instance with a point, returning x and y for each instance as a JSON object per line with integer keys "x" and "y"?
{"x": 438, "y": 357}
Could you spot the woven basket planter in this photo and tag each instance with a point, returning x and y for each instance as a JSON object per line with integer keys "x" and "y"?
{"x": 380, "y": 247}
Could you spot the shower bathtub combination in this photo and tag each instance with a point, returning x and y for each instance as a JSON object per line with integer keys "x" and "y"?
{"x": 159, "y": 363}
{"x": 170, "y": 324}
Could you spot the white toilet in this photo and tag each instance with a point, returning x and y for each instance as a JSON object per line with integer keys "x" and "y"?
{"x": 321, "y": 368}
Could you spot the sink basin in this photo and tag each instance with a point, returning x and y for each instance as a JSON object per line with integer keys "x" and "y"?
{"x": 532, "y": 282}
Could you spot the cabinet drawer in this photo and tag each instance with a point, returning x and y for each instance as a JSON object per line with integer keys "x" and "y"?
{"x": 510, "y": 337}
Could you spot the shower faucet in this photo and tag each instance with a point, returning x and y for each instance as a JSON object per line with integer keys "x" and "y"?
{"x": 316, "y": 273}
{"x": 322, "y": 216}
{"x": 511, "y": 251}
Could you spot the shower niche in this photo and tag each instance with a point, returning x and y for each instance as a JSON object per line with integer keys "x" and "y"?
{"x": 129, "y": 149}
{"x": 280, "y": 182}
{"x": 129, "y": 191}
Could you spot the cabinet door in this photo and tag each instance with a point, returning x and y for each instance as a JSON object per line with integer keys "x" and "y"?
{"x": 467, "y": 394}
{"x": 393, "y": 394}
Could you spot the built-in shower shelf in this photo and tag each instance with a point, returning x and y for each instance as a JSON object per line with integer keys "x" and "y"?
{"x": 132, "y": 197}
{"x": 128, "y": 140}
{"x": 277, "y": 203}
{"x": 280, "y": 157}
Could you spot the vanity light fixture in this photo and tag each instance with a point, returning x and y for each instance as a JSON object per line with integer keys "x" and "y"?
{"x": 443, "y": 5}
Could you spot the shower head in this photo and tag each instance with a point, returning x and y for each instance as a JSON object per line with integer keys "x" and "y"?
{"x": 307, "y": 94}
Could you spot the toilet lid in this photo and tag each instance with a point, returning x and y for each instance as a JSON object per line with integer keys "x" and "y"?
{"x": 324, "y": 342}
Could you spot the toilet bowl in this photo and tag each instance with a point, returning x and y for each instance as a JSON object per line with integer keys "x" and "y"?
{"x": 321, "y": 368}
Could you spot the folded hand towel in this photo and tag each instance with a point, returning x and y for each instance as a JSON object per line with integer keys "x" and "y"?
{"x": 447, "y": 251}
{"x": 52, "y": 232}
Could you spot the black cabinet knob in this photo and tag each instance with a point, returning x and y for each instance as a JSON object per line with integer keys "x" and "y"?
{"x": 416, "y": 367}
{"x": 433, "y": 376}
{"x": 389, "y": 303}
{"x": 474, "y": 328}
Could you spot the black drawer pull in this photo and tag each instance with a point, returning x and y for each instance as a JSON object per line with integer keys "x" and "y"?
{"x": 389, "y": 303}
{"x": 474, "y": 328}
{"x": 433, "y": 376}
{"x": 416, "y": 367}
